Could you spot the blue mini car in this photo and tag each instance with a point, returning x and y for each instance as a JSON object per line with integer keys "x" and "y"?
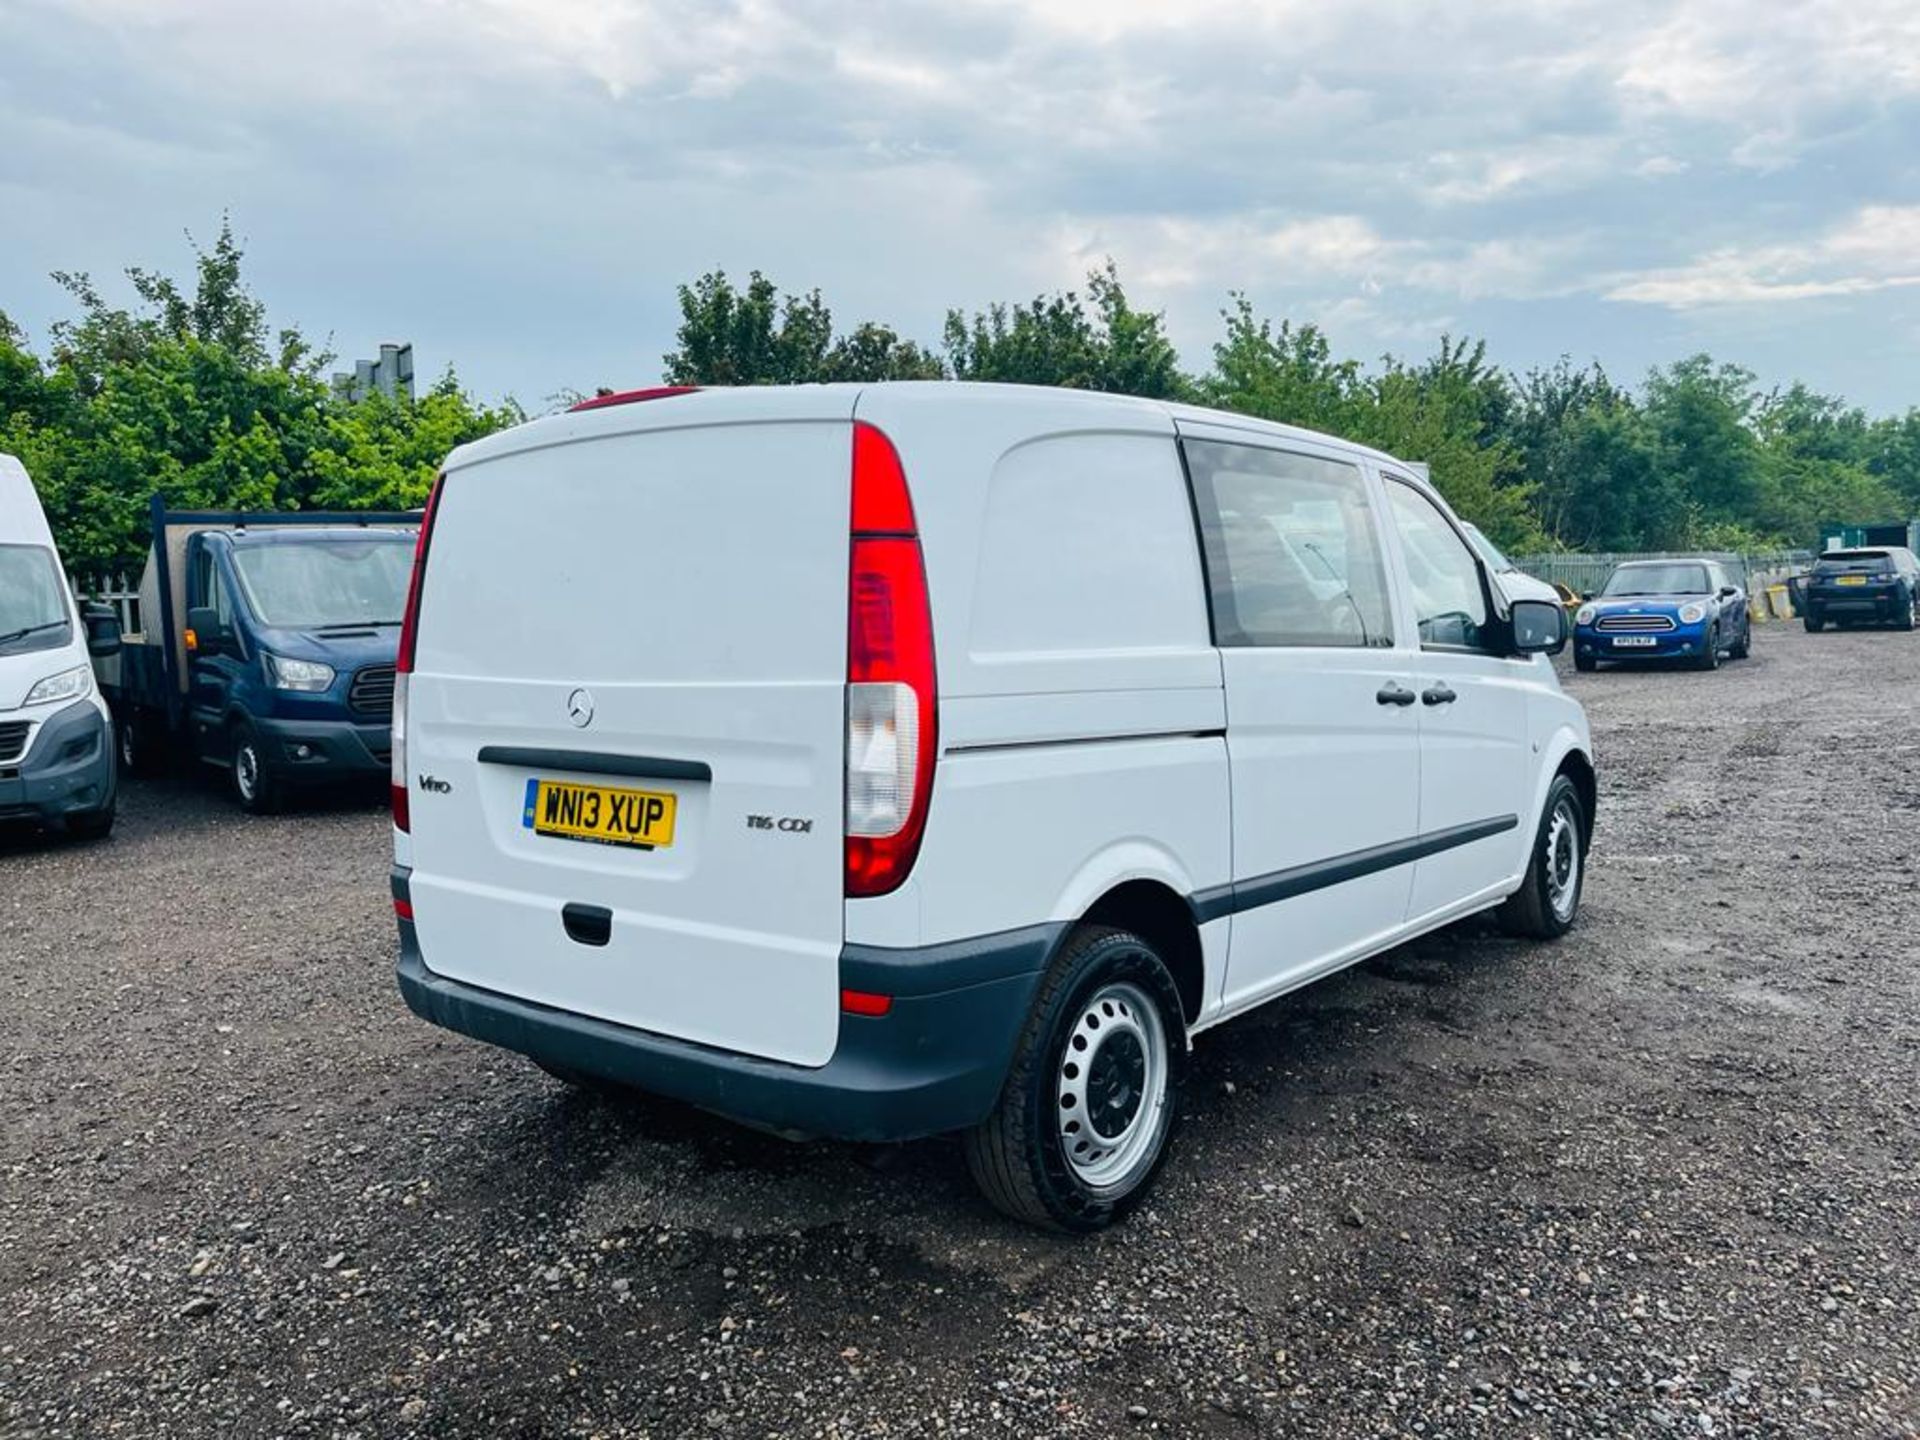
{"x": 1664, "y": 610}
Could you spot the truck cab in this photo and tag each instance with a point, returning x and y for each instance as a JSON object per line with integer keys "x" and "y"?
{"x": 290, "y": 636}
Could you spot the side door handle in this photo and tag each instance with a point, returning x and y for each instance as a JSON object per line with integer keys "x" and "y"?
{"x": 1394, "y": 694}
{"x": 1438, "y": 695}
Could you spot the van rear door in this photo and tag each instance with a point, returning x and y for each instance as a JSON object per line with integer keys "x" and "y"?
{"x": 627, "y": 719}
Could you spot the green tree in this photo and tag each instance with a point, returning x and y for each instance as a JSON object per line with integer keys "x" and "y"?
{"x": 756, "y": 336}
{"x": 1099, "y": 343}
{"x": 191, "y": 394}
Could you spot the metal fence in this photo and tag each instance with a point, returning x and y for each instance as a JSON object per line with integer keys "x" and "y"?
{"x": 1587, "y": 573}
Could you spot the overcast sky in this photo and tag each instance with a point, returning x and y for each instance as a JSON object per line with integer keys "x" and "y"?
{"x": 517, "y": 185}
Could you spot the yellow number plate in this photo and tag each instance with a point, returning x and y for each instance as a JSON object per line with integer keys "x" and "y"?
{"x": 643, "y": 818}
{"x": 1851, "y": 580}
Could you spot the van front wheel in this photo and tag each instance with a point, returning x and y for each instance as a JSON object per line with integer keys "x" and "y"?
{"x": 1088, "y": 1106}
{"x": 255, "y": 785}
{"x": 1548, "y": 900}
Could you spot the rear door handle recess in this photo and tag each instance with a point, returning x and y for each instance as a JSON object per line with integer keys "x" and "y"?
{"x": 1394, "y": 695}
{"x": 588, "y": 924}
{"x": 1438, "y": 695}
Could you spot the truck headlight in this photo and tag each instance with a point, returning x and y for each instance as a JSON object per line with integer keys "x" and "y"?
{"x": 1584, "y": 615}
{"x": 67, "y": 685}
{"x": 1692, "y": 613}
{"x": 285, "y": 674}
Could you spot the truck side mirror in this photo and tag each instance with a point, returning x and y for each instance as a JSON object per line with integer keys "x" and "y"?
{"x": 103, "y": 630}
{"x": 205, "y": 635}
{"x": 1539, "y": 627}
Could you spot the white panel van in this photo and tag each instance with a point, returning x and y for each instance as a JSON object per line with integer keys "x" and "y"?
{"x": 56, "y": 737}
{"x": 882, "y": 761}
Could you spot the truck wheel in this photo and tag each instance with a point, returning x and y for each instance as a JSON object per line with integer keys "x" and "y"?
{"x": 1088, "y": 1106}
{"x": 255, "y": 785}
{"x": 134, "y": 737}
{"x": 1548, "y": 900}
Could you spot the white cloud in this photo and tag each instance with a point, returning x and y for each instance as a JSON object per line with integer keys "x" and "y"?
{"x": 1877, "y": 249}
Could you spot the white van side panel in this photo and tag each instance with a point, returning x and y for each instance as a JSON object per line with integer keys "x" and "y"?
{"x": 1078, "y": 679}
{"x": 1030, "y": 833}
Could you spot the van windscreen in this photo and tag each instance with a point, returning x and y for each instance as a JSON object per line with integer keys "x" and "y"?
{"x": 311, "y": 584}
{"x": 33, "y": 611}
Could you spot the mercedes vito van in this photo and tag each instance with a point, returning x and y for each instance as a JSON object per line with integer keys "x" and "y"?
{"x": 56, "y": 746}
{"x": 882, "y": 761}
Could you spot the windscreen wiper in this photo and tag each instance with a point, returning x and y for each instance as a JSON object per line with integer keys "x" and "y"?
{"x": 13, "y": 635}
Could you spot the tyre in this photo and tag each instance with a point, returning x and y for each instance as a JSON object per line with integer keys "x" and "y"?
{"x": 90, "y": 824}
{"x": 135, "y": 743}
{"x": 1904, "y": 620}
{"x": 1585, "y": 662}
{"x": 1548, "y": 900}
{"x": 1088, "y": 1106}
{"x": 255, "y": 785}
{"x": 1710, "y": 658}
{"x": 1745, "y": 646}
{"x": 1815, "y": 625}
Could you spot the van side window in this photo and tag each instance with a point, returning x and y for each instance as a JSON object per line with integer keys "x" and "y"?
{"x": 217, "y": 596}
{"x": 1292, "y": 549}
{"x": 1448, "y": 603}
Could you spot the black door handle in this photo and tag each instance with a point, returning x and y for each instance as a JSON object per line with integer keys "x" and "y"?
{"x": 587, "y": 924}
{"x": 1438, "y": 695}
{"x": 1391, "y": 694}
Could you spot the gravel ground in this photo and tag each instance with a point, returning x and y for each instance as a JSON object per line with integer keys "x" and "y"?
{"x": 1659, "y": 1179}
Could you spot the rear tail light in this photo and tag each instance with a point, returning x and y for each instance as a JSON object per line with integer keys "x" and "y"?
{"x": 865, "y": 1002}
{"x": 891, "y": 710}
{"x": 403, "y": 662}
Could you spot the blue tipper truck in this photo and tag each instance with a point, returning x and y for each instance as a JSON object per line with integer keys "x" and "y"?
{"x": 265, "y": 646}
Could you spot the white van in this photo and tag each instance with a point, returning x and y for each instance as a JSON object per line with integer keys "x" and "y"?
{"x": 880, "y": 761}
{"x": 56, "y": 738}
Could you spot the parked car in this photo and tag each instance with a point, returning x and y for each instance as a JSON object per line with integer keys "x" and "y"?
{"x": 1072, "y": 762}
{"x": 56, "y": 751}
{"x": 1664, "y": 610}
{"x": 1515, "y": 582}
{"x": 266, "y": 647}
{"x": 1848, "y": 587}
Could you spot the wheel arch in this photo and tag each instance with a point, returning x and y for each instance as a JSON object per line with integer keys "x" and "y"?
{"x": 1577, "y": 766}
{"x": 1164, "y": 918}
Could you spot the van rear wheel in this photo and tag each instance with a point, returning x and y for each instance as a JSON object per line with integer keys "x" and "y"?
{"x": 1088, "y": 1107}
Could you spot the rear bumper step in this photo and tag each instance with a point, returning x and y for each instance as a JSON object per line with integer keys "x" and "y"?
{"x": 934, "y": 1063}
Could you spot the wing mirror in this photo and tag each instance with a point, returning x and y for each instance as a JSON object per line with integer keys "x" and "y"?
{"x": 103, "y": 630}
{"x": 1727, "y": 592}
{"x": 205, "y": 634}
{"x": 1539, "y": 627}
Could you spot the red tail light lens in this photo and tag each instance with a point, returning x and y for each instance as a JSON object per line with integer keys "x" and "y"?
{"x": 403, "y": 662}
{"x": 865, "y": 1002}
{"x": 891, "y": 699}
